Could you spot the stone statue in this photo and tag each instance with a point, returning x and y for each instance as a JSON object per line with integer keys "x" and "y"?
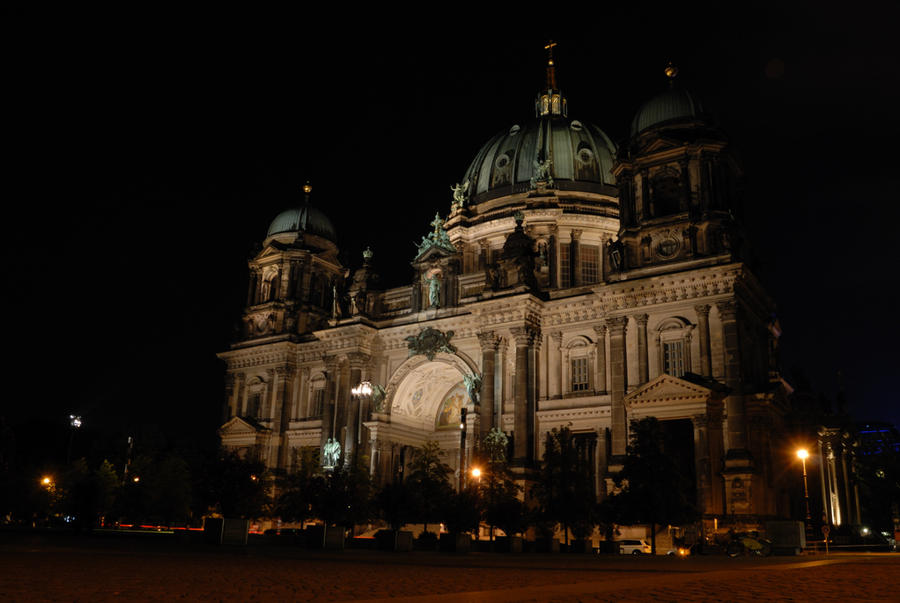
{"x": 335, "y": 303}
{"x": 378, "y": 396}
{"x": 434, "y": 291}
{"x": 459, "y": 195}
{"x": 542, "y": 172}
{"x": 473, "y": 386}
{"x": 495, "y": 444}
{"x": 331, "y": 453}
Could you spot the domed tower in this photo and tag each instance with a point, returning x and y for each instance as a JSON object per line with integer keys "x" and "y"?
{"x": 556, "y": 171}
{"x": 678, "y": 188}
{"x": 293, "y": 278}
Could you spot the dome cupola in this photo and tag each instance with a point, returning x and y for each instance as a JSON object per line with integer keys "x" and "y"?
{"x": 565, "y": 153}
{"x": 303, "y": 219}
{"x": 675, "y": 106}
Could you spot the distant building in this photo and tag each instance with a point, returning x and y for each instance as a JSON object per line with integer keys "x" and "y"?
{"x": 571, "y": 283}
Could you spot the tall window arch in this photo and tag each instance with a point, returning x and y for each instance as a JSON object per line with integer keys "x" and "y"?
{"x": 673, "y": 338}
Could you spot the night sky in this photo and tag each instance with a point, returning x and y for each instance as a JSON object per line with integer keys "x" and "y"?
{"x": 146, "y": 155}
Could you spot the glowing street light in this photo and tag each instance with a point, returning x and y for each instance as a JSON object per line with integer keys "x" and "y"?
{"x": 47, "y": 481}
{"x": 802, "y": 454}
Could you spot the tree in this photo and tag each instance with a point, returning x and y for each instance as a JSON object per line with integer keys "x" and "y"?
{"x": 397, "y": 503}
{"x": 429, "y": 479}
{"x": 565, "y": 488}
{"x": 655, "y": 491}
{"x": 298, "y": 489}
{"x": 238, "y": 487}
{"x": 345, "y": 496}
{"x": 501, "y": 496}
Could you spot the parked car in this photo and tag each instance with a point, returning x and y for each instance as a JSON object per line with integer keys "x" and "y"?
{"x": 634, "y": 547}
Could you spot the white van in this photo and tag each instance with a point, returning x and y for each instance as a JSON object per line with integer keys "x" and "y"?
{"x": 634, "y": 547}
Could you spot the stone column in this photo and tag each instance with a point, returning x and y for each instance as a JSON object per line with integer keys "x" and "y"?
{"x": 328, "y": 405}
{"x": 284, "y": 395}
{"x": 228, "y": 407}
{"x": 553, "y": 256}
{"x": 645, "y": 195}
{"x": 703, "y": 322}
{"x": 734, "y": 403}
{"x": 523, "y": 452}
{"x": 575, "y": 258}
{"x": 618, "y": 369}
{"x": 486, "y": 411}
{"x": 240, "y": 394}
{"x": 554, "y": 365}
{"x": 685, "y": 201}
{"x": 600, "y": 330}
{"x": 351, "y": 436}
{"x": 643, "y": 367}
{"x": 701, "y": 463}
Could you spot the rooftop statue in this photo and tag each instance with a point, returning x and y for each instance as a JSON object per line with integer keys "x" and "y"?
{"x": 542, "y": 172}
{"x": 459, "y": 195}
{"x": 437, "y": 238}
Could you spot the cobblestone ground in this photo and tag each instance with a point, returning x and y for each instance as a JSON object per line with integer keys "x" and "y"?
{"x": 105, "y": 570}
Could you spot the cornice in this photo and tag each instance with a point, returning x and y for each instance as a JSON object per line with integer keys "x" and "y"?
{"x": 674, "y": 287}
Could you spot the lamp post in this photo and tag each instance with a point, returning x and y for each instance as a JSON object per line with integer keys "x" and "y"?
{"x": 361, "y": 391}
{"x": 802, "y": 454}
{"x": 75, "y": 424}
{"x": 462, "y": 447}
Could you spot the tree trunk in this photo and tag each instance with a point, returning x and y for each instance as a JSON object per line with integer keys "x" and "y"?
{"x": 652, "y": 538}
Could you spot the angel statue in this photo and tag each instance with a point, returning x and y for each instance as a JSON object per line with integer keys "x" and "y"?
{"x": 459, "y": 195}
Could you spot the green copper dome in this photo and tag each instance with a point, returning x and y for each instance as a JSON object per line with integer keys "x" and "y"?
{"x": 672, "y": 106}
{"x": 306, "y": 219}
{"x": 581, "y": 157}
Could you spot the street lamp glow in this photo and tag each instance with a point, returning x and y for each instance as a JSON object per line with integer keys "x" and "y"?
{"x": 802, "y": 454}
{"x": 476, "y": 472}
{"x": 46, "y": 481}
{"x": 75, "y": 421}
{"x": 363, "y": 389}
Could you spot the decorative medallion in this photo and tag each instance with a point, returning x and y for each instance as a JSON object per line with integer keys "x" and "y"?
{"x": 429, "y": 342}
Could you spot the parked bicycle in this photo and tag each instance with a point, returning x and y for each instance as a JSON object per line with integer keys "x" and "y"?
{"x": 748, "y": 544}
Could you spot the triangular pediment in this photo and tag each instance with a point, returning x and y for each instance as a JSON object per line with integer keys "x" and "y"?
{"x": 432, "y": 253}
{"x": 661, "y": 144}
{"x": 667, "y": 388}
{"x": 238, "y": 426}
{"x": 271, "y": 250}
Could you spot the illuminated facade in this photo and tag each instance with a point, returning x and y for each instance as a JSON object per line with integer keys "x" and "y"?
{"x": 572, "y": 283}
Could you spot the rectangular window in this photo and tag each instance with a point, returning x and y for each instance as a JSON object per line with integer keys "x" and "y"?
{"x": 579, "y": 374}
{"x": 253, "y": 405}
{"x": 590, "y": 264}
{"x": 565, "y": 266}
{"x": 673, "y": 358}
{"x": 318, "y": 403}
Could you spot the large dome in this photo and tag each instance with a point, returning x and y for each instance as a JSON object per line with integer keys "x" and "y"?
{"x": 304, "y": 218}
{"x": 581, "y": 158}
{"x": 675, "y": 105}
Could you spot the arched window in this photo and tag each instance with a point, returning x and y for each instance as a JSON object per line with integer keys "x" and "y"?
{"x": 579, "y": 358}
{"x": 674, "y": 342}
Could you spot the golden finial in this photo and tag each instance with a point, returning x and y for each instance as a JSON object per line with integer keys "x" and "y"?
{"x": 671, "y": 71}
{"x": 551, "y": 68}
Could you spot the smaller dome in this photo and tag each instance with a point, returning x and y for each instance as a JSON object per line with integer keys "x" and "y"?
{"x": 674, "y": 105}
{"x": 305, "y": 218}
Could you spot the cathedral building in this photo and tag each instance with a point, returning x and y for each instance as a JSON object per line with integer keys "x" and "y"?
{"x": 571, "y": 283}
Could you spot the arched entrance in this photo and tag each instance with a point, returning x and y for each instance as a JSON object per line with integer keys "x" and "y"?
{"x": 423, "y": 399}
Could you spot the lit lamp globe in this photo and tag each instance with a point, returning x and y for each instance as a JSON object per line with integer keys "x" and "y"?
{"x": 802, "y": 454}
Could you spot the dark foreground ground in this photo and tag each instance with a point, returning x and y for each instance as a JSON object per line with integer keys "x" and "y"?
{"x": 40, "y": 568}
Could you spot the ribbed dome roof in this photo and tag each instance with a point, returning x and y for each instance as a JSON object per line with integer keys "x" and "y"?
{"x": 674, "y": 105}
{"x": 304, "y": 218}
{"x": 581, "y": 155}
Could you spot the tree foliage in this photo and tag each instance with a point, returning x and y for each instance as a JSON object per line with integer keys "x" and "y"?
{"x": 429, "y": 479}
{"x": 565, "y": 488}
{"x": 655, "y": 491}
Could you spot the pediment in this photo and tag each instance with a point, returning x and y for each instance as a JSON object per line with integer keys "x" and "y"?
{"x": 661, "y": 144}
{"x": 433, "y": 253}
{"x": 238, "y": 426}
{"x": 667, "y": 388}
{"x": 272, "y": 249}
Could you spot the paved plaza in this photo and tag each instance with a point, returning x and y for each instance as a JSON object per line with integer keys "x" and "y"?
{"x": 127, "y": 570}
